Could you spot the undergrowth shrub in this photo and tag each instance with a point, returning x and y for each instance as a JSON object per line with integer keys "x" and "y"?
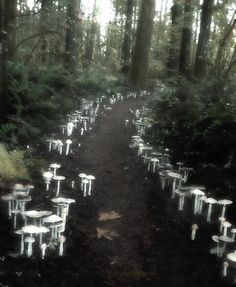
{"x": 12, "y": 164}
{"x": 197, "y": 122}
{"x": 39, "y": 99}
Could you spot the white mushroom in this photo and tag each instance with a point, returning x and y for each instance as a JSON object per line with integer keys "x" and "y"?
{"x": 194, "y": 229}
{"x": 61, "y": 240}
{"x": 21, "y": 233}
{"x": 10, "y": 198}
{"x": 43, "y": 248}
{"x": 55, "y": 166}
{"x": 68, "y": 143}
{"x": 210, "y": 201}
{"x": 224, "y": 202}
{"x": 85, "y": 183}
{"x": 82, "y": 176}
{"x": 47, "y": 175}
{"x": 225, "y": 268}
{"x": 90, "y": 178}
{"x": 233, "y": 231}
{"x": 60, "y": 146}
{"x": 197, "y": 193}
{"x": 30, "y": 240}
{"x": 70, "y": 127}
{"x": 221, "y": 219}
{"x": 58, "y": 178}
{"x": 226, "y": 225}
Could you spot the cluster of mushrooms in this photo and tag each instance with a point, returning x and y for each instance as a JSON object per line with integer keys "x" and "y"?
{"x": 44, "y": 229}
{"x": 174, "y": 178}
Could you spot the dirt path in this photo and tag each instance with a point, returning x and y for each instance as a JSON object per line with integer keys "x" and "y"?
{"x": 150, "y": 243}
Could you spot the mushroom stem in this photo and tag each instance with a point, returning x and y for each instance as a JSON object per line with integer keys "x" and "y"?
{"x": 225, "y": 268}
{"x": 223, "y": 211}
{"x": 58, "y": 187}
{"x": 209, "y": 213}
{"x": 67, "y": 148}
{"x": 22, "y": 244}
{"x": 43, "y": 248}
{"x": 194, "y": 229}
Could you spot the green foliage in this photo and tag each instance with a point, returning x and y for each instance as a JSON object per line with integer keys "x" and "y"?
{"x": 38, "y": 99}
{"x": 95, "y": 81}
{"x": 197, "y": 122}
{"x": 12, "y": 164}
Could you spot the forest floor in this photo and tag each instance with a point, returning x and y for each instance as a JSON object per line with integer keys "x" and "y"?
{"x": 148, "y": 245}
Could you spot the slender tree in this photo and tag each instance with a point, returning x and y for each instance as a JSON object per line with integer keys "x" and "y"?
{"x": 200, "y": 68}
{"x": 139, "y": 65}
{"x": 173, "y": 54}
{"x": 71, "y": 52}
{"x": 126, "y": 47}
{"x": 186, "y": 37}
{"x": 91, "y": 36}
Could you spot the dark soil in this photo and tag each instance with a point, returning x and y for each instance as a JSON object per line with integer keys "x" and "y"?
{"x": 153, "y": 246}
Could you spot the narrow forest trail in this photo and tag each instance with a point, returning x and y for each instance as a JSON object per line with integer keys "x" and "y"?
{"x": 150, "y": 243}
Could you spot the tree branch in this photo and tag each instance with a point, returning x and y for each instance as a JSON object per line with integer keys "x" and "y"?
{"x": 35, "y": 36}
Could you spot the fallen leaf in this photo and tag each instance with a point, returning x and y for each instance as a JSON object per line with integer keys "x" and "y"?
{"x": 103, "y": 216}
{"x": 106, "y": 233}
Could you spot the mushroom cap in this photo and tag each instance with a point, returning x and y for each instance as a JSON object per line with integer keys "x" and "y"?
{"x": 154, "y": 159}
{"x": 52, "y": 218}
{"x": 210, "y": 200}
{"x": 225, "y": 264}
{"x": 19, "y": 231}
{"x": 179, "y": 163}
{"x": 69, "y": 141}
{"x": 233, "y": 230}
{"x": 55, "y": 165}
{"x": 86, "y": 180}
{"x": 43, "y": 229}
{"x": 58, "y": 199}
{"x": 43, "y": 246}
{"x": 82, "y": 175}
{"x": 62, "y": 239}
{"x": 45, "y": 213}
{"x": 90, "y": 177}
{"x": 69, "y": 200}
{"x": 195, "y": 226}
{"x": 48, "y": 174}
{"x": 29, "y": 186}
{"x": 70, "y": 124}
{"x": 32, "y": 213}
{"x": 19, "y": 186}
{"x": 225, "y": 201}
{"x": 215, "y": 238}
{"x": 174, "y": 174}
{"x": 226, "y": 239}
{"x": 226, "y": 224}
{"x": 8, "y": 197}
{"x": 29, "y": 239}
{"x": 231, "y": 256}
{"x": 20, "y": 193}
{"x": 59, "y": 177}
{"x": 221, "y": 219}
{"x": 59, "y": 142}
{"x": 30, "y": 229}
{"x": 197, "y": 192}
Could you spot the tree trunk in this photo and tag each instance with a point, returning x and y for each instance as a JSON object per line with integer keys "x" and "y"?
{"x": 200, "y": 68}
{"x": 186, "y": 37}
{"x": 4, "y": 108}
{"x": 11, "y": 29}
{"x": 173, "y": 55}
{"x": 91, "y": 35}
{"x": 71, "y": 52}
{"x": 139, "y": 65}
{"x": 126, "y": 47}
